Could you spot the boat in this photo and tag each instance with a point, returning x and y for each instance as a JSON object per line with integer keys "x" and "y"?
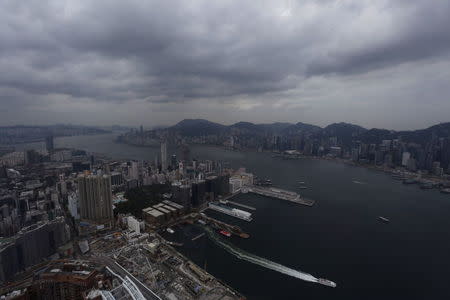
{"x": 426, "y": 186}
{"x": 200, "y": 221}
{"x": 326, "y": 282}
{"x": 301, "y": 182}
{"x": 386, "y": 220}
{"x": 445, "y": 191}
{"x": 170, "y": 230}
{"x": 265, "y": 182}
{"x": 223, "y": 201}
{"x": 409, "y": 181}
{"x": 225, "y": 233}
{"x": 303, "y": 187}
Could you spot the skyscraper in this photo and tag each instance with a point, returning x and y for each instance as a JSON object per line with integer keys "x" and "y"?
{"x": 95, "y": 197}
{"x": 174, "y": 162}
{"x": 164, "y": 155}
{"x": 49, "y": 143}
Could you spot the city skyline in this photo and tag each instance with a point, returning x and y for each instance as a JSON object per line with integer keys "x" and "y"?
{"x": 378, "y": 65}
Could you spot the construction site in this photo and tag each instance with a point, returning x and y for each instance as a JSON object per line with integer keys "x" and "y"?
{"x": 154, "y": 264}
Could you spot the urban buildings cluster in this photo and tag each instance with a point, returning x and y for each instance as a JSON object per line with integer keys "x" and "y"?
{"x": 427, "y": 150}
{"x": 55, "y": 202}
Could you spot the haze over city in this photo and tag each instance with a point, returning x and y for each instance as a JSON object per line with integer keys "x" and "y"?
{"x": 224, "y": 149}
{"x": 381, "y": 64}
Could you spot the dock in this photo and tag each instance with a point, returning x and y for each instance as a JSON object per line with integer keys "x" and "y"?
{"x": 279, "y": 194}
{"x": 234, "y": 212}
{"x": 198, "y": 236}
{"x": 236, "y": 230}
{"x": 242, "y": 205}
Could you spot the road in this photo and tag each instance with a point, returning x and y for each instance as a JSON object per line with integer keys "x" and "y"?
{"x": 107, "y": 261}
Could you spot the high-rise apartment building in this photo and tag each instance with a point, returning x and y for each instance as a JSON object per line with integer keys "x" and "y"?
{"x": 49, "y": 145}
{"x": 95, "y": 197}
{"x": 164, "y": 155}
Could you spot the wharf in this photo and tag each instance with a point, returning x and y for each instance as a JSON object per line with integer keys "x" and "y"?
{"x": 241, "y": 205}
{"x": 236, "y": 230}
{"x": 198, "y": 236}
{"x": 237, "y": 213}
{"x": 279, "y": 194}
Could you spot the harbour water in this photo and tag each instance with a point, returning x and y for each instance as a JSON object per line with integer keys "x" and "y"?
{"x": 339, "y": 238}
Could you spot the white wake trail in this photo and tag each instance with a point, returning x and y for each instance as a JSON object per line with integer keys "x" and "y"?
{"x": 259, "y": 260}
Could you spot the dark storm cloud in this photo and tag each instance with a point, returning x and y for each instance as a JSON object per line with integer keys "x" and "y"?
{"x": 178, "y": 51}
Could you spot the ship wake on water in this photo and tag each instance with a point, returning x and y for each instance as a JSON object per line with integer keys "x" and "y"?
{"x": 265, "y": 262}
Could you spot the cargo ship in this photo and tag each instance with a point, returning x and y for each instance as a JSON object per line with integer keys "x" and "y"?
{"x": 326, "y": 282}
{"x": 225, "y": 233}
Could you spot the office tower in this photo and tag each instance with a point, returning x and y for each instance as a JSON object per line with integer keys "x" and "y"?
{"x": 164, "y": 155}
{"x": 3, "y": 173}
{"x": 49, "y": 143}
{"x": 32, "y": 157}
{"x": 445, "y": 155}
{"x": 198, "y": 193}
{"x": 405, "y": 158}
{"x": 116, "y": 178}
{"x": 185, "y": 152}
{"x": 174, "y": 162}
{"x": 95, "y": 197}
{"x": 182, "y": 194}
{"x": 133, "y": 170}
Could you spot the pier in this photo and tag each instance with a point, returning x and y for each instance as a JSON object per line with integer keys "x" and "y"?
{"x": 279, "y": 194}
{"x": 242, "y": 205}
{"x": 234, "y": 212}
{"x": 236, "y": 230}
{"x": 198, "y": 236}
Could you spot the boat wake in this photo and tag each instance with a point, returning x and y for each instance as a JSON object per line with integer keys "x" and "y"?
{"x": 241, "y": 254}
{"x": 358, "y": 182}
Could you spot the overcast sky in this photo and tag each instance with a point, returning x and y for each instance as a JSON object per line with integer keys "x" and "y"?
{"x": 374, "y": 63}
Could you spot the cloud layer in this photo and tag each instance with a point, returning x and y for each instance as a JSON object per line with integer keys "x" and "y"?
{"x": 155, "y": 62}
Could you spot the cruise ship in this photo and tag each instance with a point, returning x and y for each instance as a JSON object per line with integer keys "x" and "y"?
{"x": 234, "y": 212}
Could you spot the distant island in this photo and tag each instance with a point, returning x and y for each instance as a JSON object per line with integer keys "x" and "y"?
{"x": 425, "y": 149}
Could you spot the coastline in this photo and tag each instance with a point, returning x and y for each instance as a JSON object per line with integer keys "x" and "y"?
{"x": 380, "y": 168}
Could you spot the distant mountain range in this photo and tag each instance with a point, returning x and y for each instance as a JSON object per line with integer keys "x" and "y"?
{"x": 344, "y": 132}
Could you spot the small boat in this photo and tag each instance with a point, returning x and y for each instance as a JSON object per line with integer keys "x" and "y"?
{"x": 170, "y": 230}
{"x": 409, "y": 181}
{"x": 445, "y": 191}
{"x": 302, "y": 187}
{"x": 225, "y": 233}
{"x": 326, "y": 282}
{"x": 301, "y": 182}
{"x": 358, "y": 182}
{"x": 426, "y": 186}
{"x": 385, "y": 220}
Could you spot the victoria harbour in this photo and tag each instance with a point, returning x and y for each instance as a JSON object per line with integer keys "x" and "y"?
{"x": 339, "y": 238}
